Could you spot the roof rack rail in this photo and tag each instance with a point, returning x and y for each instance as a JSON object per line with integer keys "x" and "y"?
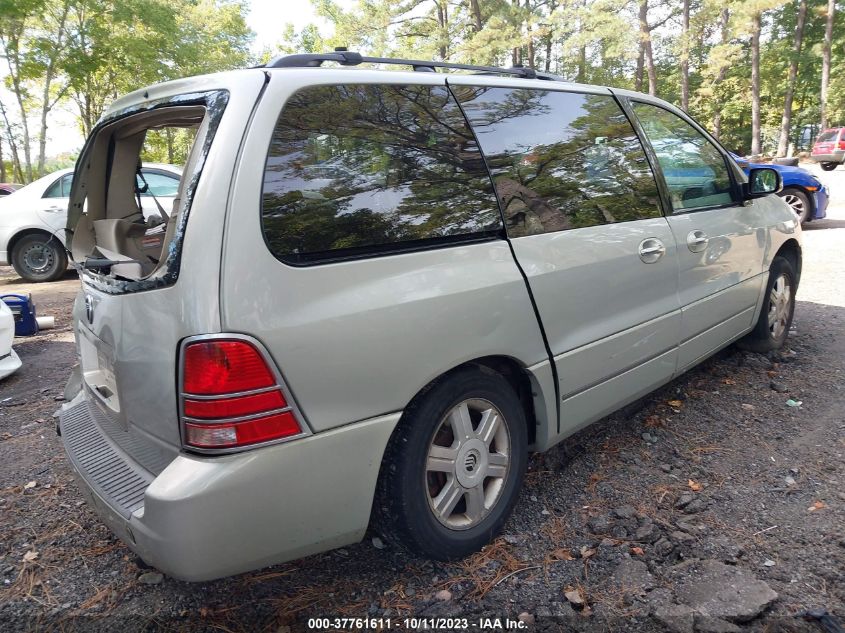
{"x": 349, "y": 58}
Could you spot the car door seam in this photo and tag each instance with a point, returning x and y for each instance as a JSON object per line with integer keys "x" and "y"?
{"x": 507, "y": 238}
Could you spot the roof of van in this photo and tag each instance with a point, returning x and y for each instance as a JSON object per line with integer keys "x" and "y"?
{"x": 349, "y": 62}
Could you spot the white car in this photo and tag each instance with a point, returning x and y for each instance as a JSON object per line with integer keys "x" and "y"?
{"x": 9, "y": 361}
{"x": 32, "y": 219}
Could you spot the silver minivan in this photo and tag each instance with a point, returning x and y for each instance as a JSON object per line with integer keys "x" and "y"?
{"x": 376, "y": 292}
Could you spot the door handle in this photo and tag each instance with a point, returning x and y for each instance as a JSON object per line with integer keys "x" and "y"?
{"x": 697, "y": 241}
{"x": 651, "y": 250}
{"x": 53, "y": 209}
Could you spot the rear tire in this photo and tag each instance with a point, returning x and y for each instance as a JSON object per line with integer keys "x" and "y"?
{"x": 454, "y": 467}
{"x": 39, "y": 257}
{"x": 772, "y": 327}
{"x": 799, "y": 201}
{"x": 828, "y": 166}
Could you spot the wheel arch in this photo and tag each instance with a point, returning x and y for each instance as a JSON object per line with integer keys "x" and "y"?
{"x": 810, "y": 198}
{"x": 32, "y": 230}
{"x": 524, "y": 382}
{"x": 791, "y": 251}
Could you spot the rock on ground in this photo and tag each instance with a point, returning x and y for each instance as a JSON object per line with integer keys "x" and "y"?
{"x": 710, "y": 591}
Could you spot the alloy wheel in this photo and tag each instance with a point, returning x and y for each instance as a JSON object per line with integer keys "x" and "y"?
{"x": 796, "y": 203}
{"x": 780, "y": 304}
{"x": 467, "y": 464}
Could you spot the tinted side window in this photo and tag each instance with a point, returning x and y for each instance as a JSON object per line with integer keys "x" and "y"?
{"x": 560, "y": 160}
{"x": 360, "y": 169}
{"x": 160, "y": 185}
{"x": 695, "y": 171}
{"x": 60, "y": 188}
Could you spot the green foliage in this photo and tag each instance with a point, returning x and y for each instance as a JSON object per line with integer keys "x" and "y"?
{"x": 89, "y": 52}
{"x": 597, "y": 41}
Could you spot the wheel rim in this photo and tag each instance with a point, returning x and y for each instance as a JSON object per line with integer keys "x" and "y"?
{"x": 780, "y": 301}
{"x": 38, "y": 258}
{"x": 467, "y": 464}
{"x": 796, "y": 203}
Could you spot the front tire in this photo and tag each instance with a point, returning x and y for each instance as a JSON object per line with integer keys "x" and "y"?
{"x": 454, "y": 467}
{"x": 772, "y": 327}
{"x": 799, "y": 201}
{"x": 39, "y": 258}
{"x": 828, "y": 166}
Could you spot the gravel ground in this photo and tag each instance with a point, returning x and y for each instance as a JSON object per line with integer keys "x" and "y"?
{"x": 710, "y": 505}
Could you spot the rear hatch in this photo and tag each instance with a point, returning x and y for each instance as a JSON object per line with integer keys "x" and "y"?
{"x": 827, "y": 142}
{"x": 150, "y": 279}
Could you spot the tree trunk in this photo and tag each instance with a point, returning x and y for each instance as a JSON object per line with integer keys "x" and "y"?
{"x": 168, "y": 134}
{"x": 549, "y": 53}
{"x": 685, "y": 56}
{"x": 475, "y": 9}
{"x": 581, "y": 77}
{"x": 638, "y": 76}
{"x": 724, "y": 19}
{"x": 645, "y": 37}
{"x": 755, "y": 84}
{"x": 529, "y": 34}
{"x": 783, "y": 140}
{"x": 46, "y": 104}
{"x": 2, "y": 163}
{"x": 11, "y": 50}
{"x": 828, "y": 38}
{"x": 17, "y": 171}
{"x": 442, "y": 20}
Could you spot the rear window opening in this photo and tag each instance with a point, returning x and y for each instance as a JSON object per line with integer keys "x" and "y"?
{"x": 132, "y": 192}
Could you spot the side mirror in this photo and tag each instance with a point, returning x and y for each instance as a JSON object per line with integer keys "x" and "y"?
{"x": 762, "y": 181}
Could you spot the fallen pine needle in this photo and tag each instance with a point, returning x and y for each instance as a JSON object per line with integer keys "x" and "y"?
{"x": 762, "y": 531}
{"x": 518, "y": 571}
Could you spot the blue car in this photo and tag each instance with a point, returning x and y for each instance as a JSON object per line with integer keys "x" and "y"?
{"x": 802, "y": 191}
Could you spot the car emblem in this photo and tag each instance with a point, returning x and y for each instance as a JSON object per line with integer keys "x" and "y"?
{"x": 89, "y": 308}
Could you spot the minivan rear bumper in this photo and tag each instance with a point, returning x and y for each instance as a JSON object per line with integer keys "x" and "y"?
{"x": 835, "y": 157}
{"x": 207, "y": 517}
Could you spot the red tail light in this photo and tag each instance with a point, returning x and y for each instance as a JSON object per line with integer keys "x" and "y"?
{"x": 231, "y": 396}
{"x": 841, "y": 144}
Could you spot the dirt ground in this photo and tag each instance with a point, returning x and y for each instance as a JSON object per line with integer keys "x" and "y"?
{"x": 712, "y": 505}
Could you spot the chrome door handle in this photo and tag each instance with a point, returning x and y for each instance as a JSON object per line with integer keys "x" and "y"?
{"x": 651, "y": 250}
{"x": 697, "y": 241}
{"x": 53, "y": 209}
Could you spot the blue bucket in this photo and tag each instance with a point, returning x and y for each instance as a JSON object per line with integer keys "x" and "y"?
{"x": 23, "y": 310}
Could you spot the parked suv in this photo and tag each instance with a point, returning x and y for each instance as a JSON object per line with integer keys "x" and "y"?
{"x": 829, "y": 148}
{"x": 378, "y": 291}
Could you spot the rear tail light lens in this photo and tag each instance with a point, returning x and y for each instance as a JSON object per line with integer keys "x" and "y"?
{"x": 234, "y": 407}
{"x": 242, "y": 433}
{"x": 841, "y": 144}
{"x": 220, "y": 367}
{"x": 231, "y": 397}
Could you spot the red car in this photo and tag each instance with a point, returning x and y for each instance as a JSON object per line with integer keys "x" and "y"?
{"x": 8, "y": 187}
{"x": 829, "y": 149}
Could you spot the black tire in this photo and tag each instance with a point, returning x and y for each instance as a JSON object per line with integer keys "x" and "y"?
{"x": 799, "y": 201}
{"x": 828, "y": 166}
{"x": 39, "y": 257}
{"x": 403, "y": 510}
{"x": 766, "y": 337}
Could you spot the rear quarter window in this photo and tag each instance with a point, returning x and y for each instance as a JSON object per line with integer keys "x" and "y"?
{"x": 360, "y": 170}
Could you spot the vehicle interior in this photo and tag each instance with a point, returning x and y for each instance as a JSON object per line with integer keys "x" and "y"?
{"x": 113, "y": 237}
